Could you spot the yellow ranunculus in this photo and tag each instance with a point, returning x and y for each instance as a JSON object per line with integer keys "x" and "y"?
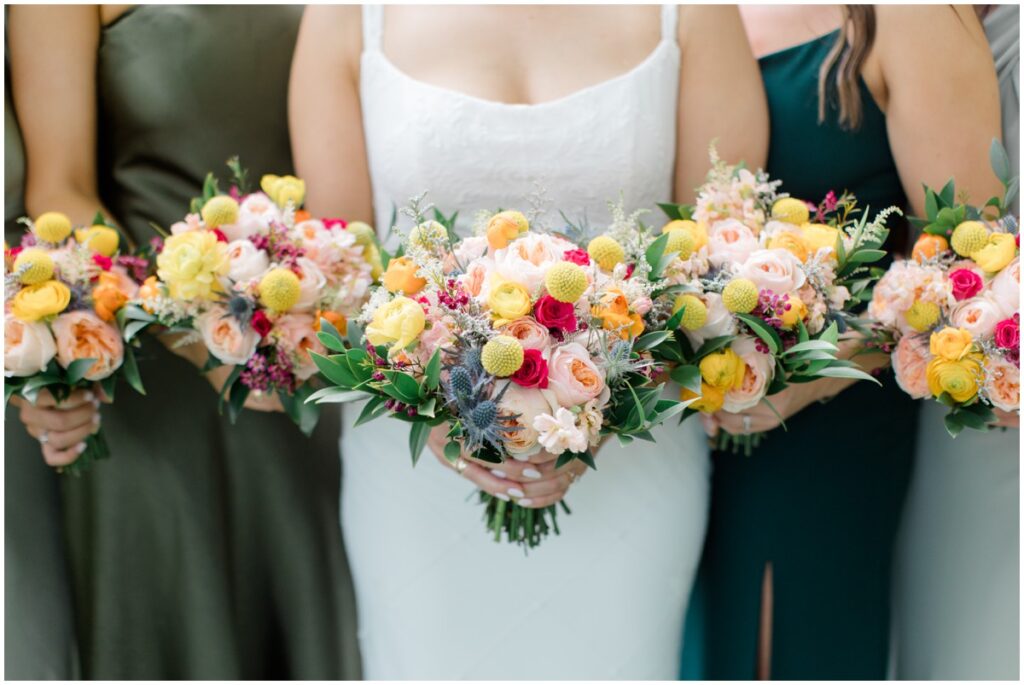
{"x": 797, "y": 312}
{"x": 817, "y": 236}
{"x": 284, "y": 189}
{"x": 999, "y": 251}
{"x": 958, "y": 378}
{"x": 711, "y": 398}
{"x": 723, "y": 370}
{"x": 36, "y": 302}
{"x": 397, "y": 324}
{"x": 509, "y": 300}
{"x": 788, "y": 240}
{"x": 951, "y": 343}
{"x": 504, "y": 227}
{"x": 101, "y": 239}
{"x": 191, "y": 264}
{"x": 401, "y": 275}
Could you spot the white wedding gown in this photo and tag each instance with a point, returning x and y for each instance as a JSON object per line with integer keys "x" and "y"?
{"x": 437, "y": 598}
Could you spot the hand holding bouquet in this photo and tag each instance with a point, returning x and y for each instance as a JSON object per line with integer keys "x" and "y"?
{"x": 65, "y": 293}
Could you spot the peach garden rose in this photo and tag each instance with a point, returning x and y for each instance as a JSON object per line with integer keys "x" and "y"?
{"x": 83, "y": 335}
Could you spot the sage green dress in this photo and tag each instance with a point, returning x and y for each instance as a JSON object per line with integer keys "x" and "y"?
{"x": 202, "y": 550}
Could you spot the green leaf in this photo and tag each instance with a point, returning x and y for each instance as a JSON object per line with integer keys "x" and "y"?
{"x": 133, "y": 328}
{"x": 426, "y": 407}
{"x": 452, "y": 450}
{"x": 650, "y": 340}
{"x": 671, "y": 210}
{"x": 948, "y": 192}
{"x": 109, "y": 385}
{"x": 862, "y": 256}
{"x": 811, "y": 345}
{"x": 330, "y": 340}
{"x": 335, "y": 369}
{"x": 687, "y": 376}
{"x": 432, "y": 374}
{"x": 564, "y": 458}
{"x": 763, "y": 331}
{"x": 355, "y": 334}
{"x": 239, "y": 393}
{"x": 971, "y": 420}
{"x": 953, "y": 425}
{"x": 845, "y": 372}
{"x": 946, "y": 217}
{"x": 931, "y": 204}
{"x": 418, "y": 435}
{"x": 304, "y": 414}
{"x": 98, "y": 219}
{"x": 587, "y": 459}
{"x": 653, "y": 255}
{"x": 131, "y": 370}
{"x": 1000, "y": 161}
{"x": 712, "y": 345}
{"x": 335, "y": 395}
{"x": 226, "y": 388}
{"x": 405, "y": 387}
{"x": 77, "y": 369}
{"x": 374, "y": 408}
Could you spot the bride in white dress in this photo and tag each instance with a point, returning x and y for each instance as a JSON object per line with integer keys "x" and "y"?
{"x": 381, "y": 99}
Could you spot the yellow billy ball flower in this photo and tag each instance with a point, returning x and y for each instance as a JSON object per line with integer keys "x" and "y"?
{"x": 922, "y": 315}
{"x": 504, "y": 227}
{"x": 740, "y": 296}
{"x": 363, "y": 232}
{"x": 999, "y": 251}
{"x": 969, "y": 237}
{"x": 723, "y": 370}
{"x": 509, "y": 300}
{"x": 396, "y": 323}
{"x": 502, "y": 356}
{"x": 101, "y": 239}
{"x": 696, "y": 313}
{"x": 52, "y": 227}
{"x": 958, "y": 378}
{"x": 219, "y": 211}
{"x": 951, "y": 343}
{"x": 566, "y": 281}
{"x": 606, "y": 252}
{"x": 284, "y": 189}
{"x": 698, "y": 231}
{"x": 280, "y": 289}
{"x": 191, "y": 264}
{"x": 681, "y": 242}
{"x": 710, "y": 399}
{"x": 41, "y": 300}
{"x": 428, "y": 234}
{"x": 35, "y": 266}
{"x": 797, "y": 312}
{"x": 791, "y": 210}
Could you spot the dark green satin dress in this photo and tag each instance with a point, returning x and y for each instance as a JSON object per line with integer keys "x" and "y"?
{"x": 202, "y": 550}
{"x": 822, "y": 501}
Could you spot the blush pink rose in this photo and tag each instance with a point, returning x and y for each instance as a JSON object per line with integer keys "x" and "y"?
{"x": 529, "y": 332}
{"x": 473, "y": 280}
{"x": 978, "y": 315}
{"x": 1002, "y": 384}
{"x": 909, "y": 362}
{"x": 730, "y": 241}
{"x": 311, "y": 283}
{"x": 572, "y": 375}
{"x": 758, "y": 375}
{"x": 527, "y": 259}
{"x": 224, "y": 337}
{"x": 298, "y": 337}
{"x": 246, "y": 261}
{"x": 966, "y": 283}
{"x": 191, "y": 223}
{"x": 775, "y": 270}
{"x": 1006, "y": 288}
{"x": 28, "y": 347}
{"x": 83, "y": 335}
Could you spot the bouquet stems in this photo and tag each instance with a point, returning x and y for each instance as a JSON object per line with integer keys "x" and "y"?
{"x": 523, "y": 526}
{"x": 728, "y": 442}
{"x": 95, "y": 448}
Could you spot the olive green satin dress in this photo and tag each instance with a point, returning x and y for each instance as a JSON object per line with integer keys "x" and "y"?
{"x": 202, "y": 550}
{"x": 38, "y": 633}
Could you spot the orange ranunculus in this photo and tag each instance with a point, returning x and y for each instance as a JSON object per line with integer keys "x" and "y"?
{"x": 613, "y": 310}
{"x": 929, "y": 246}
{"x": 401, "y": 276}
{"x": 149, "y": 290}
{"x": 337, "y": 320}
{"x": 107, "y": 297}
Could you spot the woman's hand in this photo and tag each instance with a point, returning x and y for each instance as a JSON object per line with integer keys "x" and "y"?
{"x": 1006, "y": 419}
{"x": 534, "y": 484}
{"x": 61, "y": 429}
{"x": 256, "y": 401}
{"x": 760, "y": 418}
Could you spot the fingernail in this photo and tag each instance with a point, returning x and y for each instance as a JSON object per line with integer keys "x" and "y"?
{"x": 96, "y": 403}
{"x": 520, "y": 457}
{"x": 502, "y": 496}
{"x": 80, "y": 447}
{"x": 531, "y": 473}
{"x": 89, "y": 397}
{"x": 96, "y": 418}
{"x": 516, "y": 492}
{"x": 525, "y": 502}
{"x": 499, "y": 474}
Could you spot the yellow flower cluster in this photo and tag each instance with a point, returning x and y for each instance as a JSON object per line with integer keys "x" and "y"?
{"x": 956, "y": 366}
{"x": 502, "y": 356}
{"x": 504, "y": 227}
{"x": 809, "y": 239}
{"x": 35, "y": 302}
{"x": 613, "y": 310}
{"x": 191, "y": 265}
{"x": 396, "y": 324}
{"x": 99, "y": 238}
{"x": 283, "y": 190}
{"x": 991, "y": 251}
{"x": 697, "y": 232}
{"x": 508, "y": 300}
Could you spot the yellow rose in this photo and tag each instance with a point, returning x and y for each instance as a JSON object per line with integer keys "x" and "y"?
{"x": 401, "y": 275}
{"x": 284, "y": 189}
{"x": 711, "y": 398}
{"x": 788, "y": 240}
{"x": 509, "y": 300}
{"x": 951, "y": 343}
{"x": 797, "y": 312}
{"x": 999, "y": 251}
{"x": 101, "y": 239}
{"x": 397, "y": 323}
{"x": 958, "y": 378}
{"x": 191, "y": 264}
{"x": 817, "y": 236}
{"x": 723, "y": 370}
{"x": 35, "y": 302}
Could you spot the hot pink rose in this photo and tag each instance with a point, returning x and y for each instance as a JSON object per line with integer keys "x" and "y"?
{"x": 979, "y": 315}
{"x": 760, "y": 369}
{"x": 776, "y": 270}
{"x": 299, "y": 339}
{"x": 530, "y": 334}
{"x": 83, "y": 335}
{"x": 909, "y": 362}
{"x": 966, "y": 283}
{"x": 534, "y": 371}
{"x": 28, "y": 347}
{"x": 1008, "y": 333}
{"x": 224, "y": 337}
{"x": 554, "y": 314}
{"x": 572, "y": 375}
{"x": 730, "y": 241}
{"x": 1002, "y": 384}
{"x": 577, "y": 256}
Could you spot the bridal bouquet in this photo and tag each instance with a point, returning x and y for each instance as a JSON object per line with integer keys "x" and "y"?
{"x": 65, "y": 292}
{"x": 515, "y": 340}
{"x": 762, "y": 291}
{"x": 950, "y": 315}
{"x": 251, "y": 275}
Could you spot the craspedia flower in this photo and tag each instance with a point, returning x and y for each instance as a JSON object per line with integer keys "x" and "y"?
{"x": 35, "y": 266}
{"x": 791, "y": 210}
{"x": 698, "y": 231}
{"x": 969, "y": 237}
{"x": 363, "y": 232}
{"x": 100, "y": 239}
{"x": 52, "y": 227}
{"x": 565, "y": 282}
{"x": 219, "y": 211}
{"x": 696, "y": 313}
{"x": 740, "y": 296}
{"x": 502, "y": 356}
{"x": 428, "y": 234}
{"x": 680, "y": 241}
{"x": 922, "y": 315}
{"x": 606, "y": 251}
{"x": 280, "y": 290}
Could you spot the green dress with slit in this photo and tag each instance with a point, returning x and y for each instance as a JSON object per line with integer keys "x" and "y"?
{"x": 200, "y": 549}
{"x": 822, "y": 501}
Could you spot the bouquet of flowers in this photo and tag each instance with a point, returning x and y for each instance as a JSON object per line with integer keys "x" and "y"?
{"x": 950, "y": 315}
{"x": 515, "y": 340}
{"x": 761, "y": 291}
{"x": 251, "y": 275}
{"x": 65, "y": 292}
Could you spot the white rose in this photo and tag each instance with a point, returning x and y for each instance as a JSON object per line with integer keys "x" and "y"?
{"x": 529, "y": 403}
{"x": 1006, "y": 288}
{"x": 730, "y": 241}
{"x": 311, "y": 283}
{"x": 224, "y": 337}
{"x": 247, "y": 262}
{"x": 471, "y": 248}
{"x": 978, "y": 315}
{"x": 527, "y": 259}
{"x": 775, "y": 270}
{"x": 28, "y": 347}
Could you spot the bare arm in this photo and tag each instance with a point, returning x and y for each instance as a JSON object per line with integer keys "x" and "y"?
{"x": 721, "y": 96}
{"x": 324, "y": 113}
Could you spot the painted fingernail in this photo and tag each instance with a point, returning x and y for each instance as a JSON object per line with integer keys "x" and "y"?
{"x": 516, "y": 492}
{"x": 531, "y": 473}
{"x": 89, "y": 397}
{"x": 96, "y": 418}
{"x": 96, "y": 403}
{"x": 80, "y": 447}
{"x": 525, "y": 502}
{"x": 502, "y": 496}
{"x": 499, "y": 474}
{"x": 520, "y": 457}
